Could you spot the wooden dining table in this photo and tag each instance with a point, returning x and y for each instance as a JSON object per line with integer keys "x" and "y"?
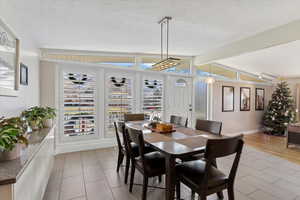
{"x": 181, "y": 143}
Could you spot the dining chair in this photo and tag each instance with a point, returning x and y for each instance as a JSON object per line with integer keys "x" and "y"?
{"x": 134, "y": 117}
{"x": 123, "y": 148}
{"x": 213, "y": 127}
{"x": 149, "y": 164}
{"x": 203, "y": 177}
{"x": 179, "y": 121}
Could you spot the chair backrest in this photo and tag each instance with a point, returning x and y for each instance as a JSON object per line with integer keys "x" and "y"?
{"x": 137, "y": 137}
{"x": 178, "y": 120}
{"x": 216, "y": 148}
{"x": 134, "y": 117}
{"x": 213, "y": 127}
{"x": 118, "y": 129}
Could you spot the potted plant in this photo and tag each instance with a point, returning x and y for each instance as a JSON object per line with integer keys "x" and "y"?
{"x": 11, "y": 137}
{"x": 50, "y": 114}
{"x": 35, "y": 117}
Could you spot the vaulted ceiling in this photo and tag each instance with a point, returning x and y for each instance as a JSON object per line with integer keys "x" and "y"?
{"x": 198, "y": 26}
{"x": 131, "y": 25}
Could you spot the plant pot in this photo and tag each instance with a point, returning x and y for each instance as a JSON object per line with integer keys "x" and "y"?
{"x": 34, "y": 125}
{"x": 11, "y": 155}
{"x": 48, "y": 123}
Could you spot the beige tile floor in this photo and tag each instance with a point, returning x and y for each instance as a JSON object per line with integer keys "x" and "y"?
{"x": 91, "y": 175}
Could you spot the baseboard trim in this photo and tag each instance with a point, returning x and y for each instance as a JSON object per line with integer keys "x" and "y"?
{"x": 84, "y": 146}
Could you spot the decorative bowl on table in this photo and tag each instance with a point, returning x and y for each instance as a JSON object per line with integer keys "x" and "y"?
{"x": 163, "y": 128}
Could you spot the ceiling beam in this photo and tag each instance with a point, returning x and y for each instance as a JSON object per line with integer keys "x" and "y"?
{"x": 273, "y": 37}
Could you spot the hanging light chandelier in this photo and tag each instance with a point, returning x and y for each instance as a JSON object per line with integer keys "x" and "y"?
{"x": 167, "y": 62}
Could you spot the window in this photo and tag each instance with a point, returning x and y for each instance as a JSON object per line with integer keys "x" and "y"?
{"x": 120, "y": 98}
{"x": 245, "y": 77}
{"x": 216, "y": 70}
{"x": 147, "y": 62}
{"x": 153, "y": 96}
{"x": 121, "y": 61}
{"x": 79, "y": 93}
{"x": 201, "y": 100}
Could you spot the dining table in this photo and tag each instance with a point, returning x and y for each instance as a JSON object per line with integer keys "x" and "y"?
{"x": 181, "y": 143}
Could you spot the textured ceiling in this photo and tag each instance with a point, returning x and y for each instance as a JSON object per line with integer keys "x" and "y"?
{"x": 131, "y": 25}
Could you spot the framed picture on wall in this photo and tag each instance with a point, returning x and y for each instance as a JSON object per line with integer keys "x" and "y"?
{"x": 259, "y": 99}
{"x": 23, "y": 74}
{"x": 227, "y": 99}
{"x": 9, "y": 61}
{"x": 245, "y": 98}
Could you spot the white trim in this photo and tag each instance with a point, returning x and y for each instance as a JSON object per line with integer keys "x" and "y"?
{"x": 8, "y": 92}
{"x": 84, "y": 146}
{"x": 113, "y": 67}
{"x": 104, "y": 53}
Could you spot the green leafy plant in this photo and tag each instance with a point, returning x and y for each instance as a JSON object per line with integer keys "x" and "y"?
{"x": 50, "y": 113}
{"x": 11, "y": 133}
{"x": 35, "y": 116}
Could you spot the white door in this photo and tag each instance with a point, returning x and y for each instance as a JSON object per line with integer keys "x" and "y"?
{"x": 179, "y": 97}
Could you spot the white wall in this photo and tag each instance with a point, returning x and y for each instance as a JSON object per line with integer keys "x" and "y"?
{"x": 239, "y": 121}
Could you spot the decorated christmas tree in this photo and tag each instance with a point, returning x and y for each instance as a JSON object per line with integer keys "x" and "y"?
{"x": 280, "y": 111}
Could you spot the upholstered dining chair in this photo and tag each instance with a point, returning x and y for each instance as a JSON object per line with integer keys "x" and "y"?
{"x": 213, "y": 127}
{"x": 134, "y": 117}
{"x": 148, "y": 164}
{"x": 178, "y": 120}
{"x": 203, "y": 177}
{"x": 123, "y": 148}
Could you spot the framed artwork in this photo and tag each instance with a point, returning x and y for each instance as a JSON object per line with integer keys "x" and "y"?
{"x": 227, "y": 99}
{"x": 259, "y": 99}
{"x": 245, "y": 99}
{"x": 9, "y": 61}
{"x": 23, "y": 74}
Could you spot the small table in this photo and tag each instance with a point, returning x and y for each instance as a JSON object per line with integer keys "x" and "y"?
{"x": 179, "y": 144}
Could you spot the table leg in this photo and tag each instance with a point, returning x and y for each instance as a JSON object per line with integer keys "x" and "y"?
{"x": 170, "y": 178}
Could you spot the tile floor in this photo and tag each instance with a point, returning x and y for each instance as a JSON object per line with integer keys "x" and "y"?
{"x": 91, "y": 175}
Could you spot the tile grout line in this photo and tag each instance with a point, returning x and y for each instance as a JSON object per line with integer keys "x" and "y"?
{"x": 107, "y": 181}
{"x": 61, "y": 178}
{"x": 84, "y": 183}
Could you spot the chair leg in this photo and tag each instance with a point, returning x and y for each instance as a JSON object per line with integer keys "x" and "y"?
{"x": 230, "y": 193}
{"x": 145, "y": 185}
{"x": 127, "y": 168}
{"x": 131, "y": 177}
{"x": 120, "y": 160}
{"x": 159, "y": 179}
{"x": 220, "y": 195}
{"x": 178, "y": 190}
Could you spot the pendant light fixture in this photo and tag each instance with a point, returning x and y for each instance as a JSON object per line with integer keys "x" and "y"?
{"x": 167, "y": 62}
{"x": 210, "y": 79}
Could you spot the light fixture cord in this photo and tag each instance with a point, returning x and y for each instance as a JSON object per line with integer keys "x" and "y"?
{"x": 167, "y": 38}
{"x": 161, "y": 41}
